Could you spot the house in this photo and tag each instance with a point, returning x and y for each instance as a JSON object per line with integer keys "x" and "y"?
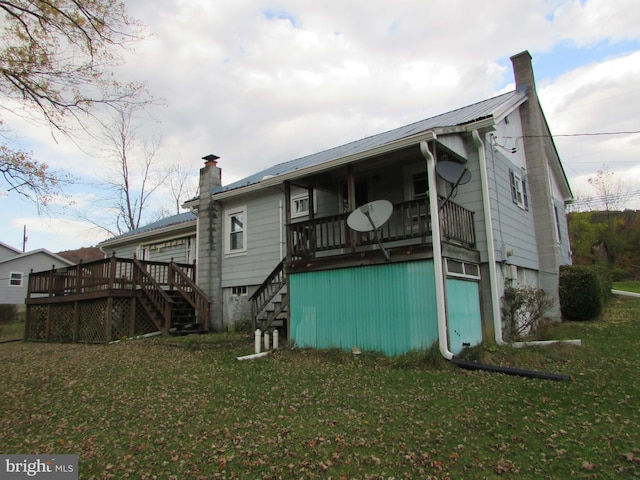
{"x": 15, "y": 267}
{"x": 171, "y": 238}
{"x": 460, "y": 205}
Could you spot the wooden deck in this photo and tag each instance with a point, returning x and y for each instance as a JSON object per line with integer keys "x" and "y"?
{"x": 114, "y": 298}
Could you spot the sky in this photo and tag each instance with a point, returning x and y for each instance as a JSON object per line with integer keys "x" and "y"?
{"x": 259, "y": 82}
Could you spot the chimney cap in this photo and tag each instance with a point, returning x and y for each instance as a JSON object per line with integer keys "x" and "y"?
{"x": 210, "y": 160}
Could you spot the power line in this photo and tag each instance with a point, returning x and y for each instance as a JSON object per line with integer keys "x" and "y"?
{"x": 591, "y": 134}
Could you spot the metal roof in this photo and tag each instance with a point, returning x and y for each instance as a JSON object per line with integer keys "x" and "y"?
{"x": 162, "y": 223}
{"x": 460, "y": 116}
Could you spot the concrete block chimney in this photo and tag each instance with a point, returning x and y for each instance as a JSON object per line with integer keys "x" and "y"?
{"x": 210, "y": 243}
{"x": 538, "y": 146}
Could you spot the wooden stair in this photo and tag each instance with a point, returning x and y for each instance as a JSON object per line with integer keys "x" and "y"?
{"x": 270, "y": 302}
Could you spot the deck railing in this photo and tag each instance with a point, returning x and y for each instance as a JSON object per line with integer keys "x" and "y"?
{"x": 107, "y": 274}
{"x": 409, "y": 220}
{"x": 101, "y": 277}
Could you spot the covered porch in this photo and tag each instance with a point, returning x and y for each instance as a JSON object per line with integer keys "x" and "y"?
{"x": 317, "y": 207}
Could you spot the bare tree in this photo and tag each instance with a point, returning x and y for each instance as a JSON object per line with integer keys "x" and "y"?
{"x": 56, "y": 58}
{"x": 183, "y": 185}
{"x": 133, "y": 174}
{"x": 610, "y": 190}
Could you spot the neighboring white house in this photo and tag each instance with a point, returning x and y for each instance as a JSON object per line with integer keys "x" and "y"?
{"x": 436, "y": 269}
{"x": 15, "y": 267}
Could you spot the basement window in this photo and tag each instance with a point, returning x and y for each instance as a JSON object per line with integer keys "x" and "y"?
{"x": 457, "y": 268}
{"x": 239, "y": 291}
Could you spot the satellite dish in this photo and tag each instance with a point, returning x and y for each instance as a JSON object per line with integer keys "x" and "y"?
{"x": 453, "y": 173}
{"x": 370, "y": 216}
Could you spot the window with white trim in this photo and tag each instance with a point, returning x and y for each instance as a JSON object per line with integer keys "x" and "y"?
{"x": 300, "y": 205}
{"x": 457, "y": 268}
{"x": 236, "y": 228}
{"x": 15, "y": 279}
{"x": 519, "y": 189}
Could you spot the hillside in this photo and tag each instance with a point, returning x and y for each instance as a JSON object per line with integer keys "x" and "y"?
{"x": 610, "y": 238}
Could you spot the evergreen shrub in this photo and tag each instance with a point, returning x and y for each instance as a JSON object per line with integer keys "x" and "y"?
{"x": 584, "y": 291}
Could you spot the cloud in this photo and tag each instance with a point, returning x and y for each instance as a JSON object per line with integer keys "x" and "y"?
{"x": 259, "y": 82}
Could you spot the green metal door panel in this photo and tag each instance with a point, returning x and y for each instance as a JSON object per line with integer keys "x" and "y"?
{"x": 388, "y": 308}
{"x": 463, "y": 313}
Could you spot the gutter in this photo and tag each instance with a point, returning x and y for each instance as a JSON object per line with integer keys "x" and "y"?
{"x": 434, "y": 212}
{"x": 488, "y": 224}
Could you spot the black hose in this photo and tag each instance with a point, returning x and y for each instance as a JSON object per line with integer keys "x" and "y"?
{"x": 511, "y": 371}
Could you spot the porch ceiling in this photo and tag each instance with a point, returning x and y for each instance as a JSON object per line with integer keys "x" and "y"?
{"x": 326, "y": 180}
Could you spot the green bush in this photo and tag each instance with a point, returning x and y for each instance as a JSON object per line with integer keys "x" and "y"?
{"x": 8, "y": 314}
{"x": 584, "y": 291}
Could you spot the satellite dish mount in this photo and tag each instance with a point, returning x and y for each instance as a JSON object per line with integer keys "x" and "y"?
{"x": 369, "y": 217}
{"x": 453, "y": 173}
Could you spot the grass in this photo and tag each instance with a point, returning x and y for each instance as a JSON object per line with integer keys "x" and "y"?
{"x": 629, "y": 286}
{"x": 11, "y": 331}
{"x": 184, "y": 408}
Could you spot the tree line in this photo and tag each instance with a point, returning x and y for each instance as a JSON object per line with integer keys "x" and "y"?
{"x": 610, "y": 238}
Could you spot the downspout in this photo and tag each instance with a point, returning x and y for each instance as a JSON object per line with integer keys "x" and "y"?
{"x": 437, "y": 252}
{"x": 488, "y": 225}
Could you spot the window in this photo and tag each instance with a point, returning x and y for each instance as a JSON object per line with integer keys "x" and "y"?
{"x": 239, "y": 291}
{"x": 456, "y": 268}
{"x": 420, "y": 188}
{"x": 300, "y": 205}
{"x": 555, "y": 211}
{"x": 416, "y": 183}
{"x": 236, "y": 230}
{"x": 519, "y": 190}
{"x": 190, "y": 250}
{"x": 15, "y": 279}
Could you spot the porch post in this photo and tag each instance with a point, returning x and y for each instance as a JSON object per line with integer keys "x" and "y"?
{"x": 351, "y": 193}
{"x": 287, "y": 217}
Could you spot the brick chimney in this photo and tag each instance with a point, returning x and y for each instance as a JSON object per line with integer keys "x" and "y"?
{"x": 209, "y": 239}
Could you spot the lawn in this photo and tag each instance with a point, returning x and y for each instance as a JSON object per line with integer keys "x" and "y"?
{"x": 184, "y": 408}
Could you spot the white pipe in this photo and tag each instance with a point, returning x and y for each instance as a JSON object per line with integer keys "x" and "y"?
{"x": 488, "y": 225}
{"x": 544, "y": 343}
{"x": 622, "y": 292}
{"x": 266, "y": 341}
{"x": 146, "y": 335}
{"x": 434, "y": 211}
{"x": 276, "y": 337}
{"x": 252, "y": 356}
{"x": 258, "y": 337}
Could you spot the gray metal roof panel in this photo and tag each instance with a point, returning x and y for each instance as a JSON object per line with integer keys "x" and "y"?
{"x": 460, "y": 116}
{"x": 162, "y": 223}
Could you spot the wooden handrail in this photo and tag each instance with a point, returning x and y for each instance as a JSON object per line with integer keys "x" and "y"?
{"x": 190, "y": 292}
{"x": 409, "y": 220}
{"x": 268, "y": 290}
{"x": 154, "y": 292}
